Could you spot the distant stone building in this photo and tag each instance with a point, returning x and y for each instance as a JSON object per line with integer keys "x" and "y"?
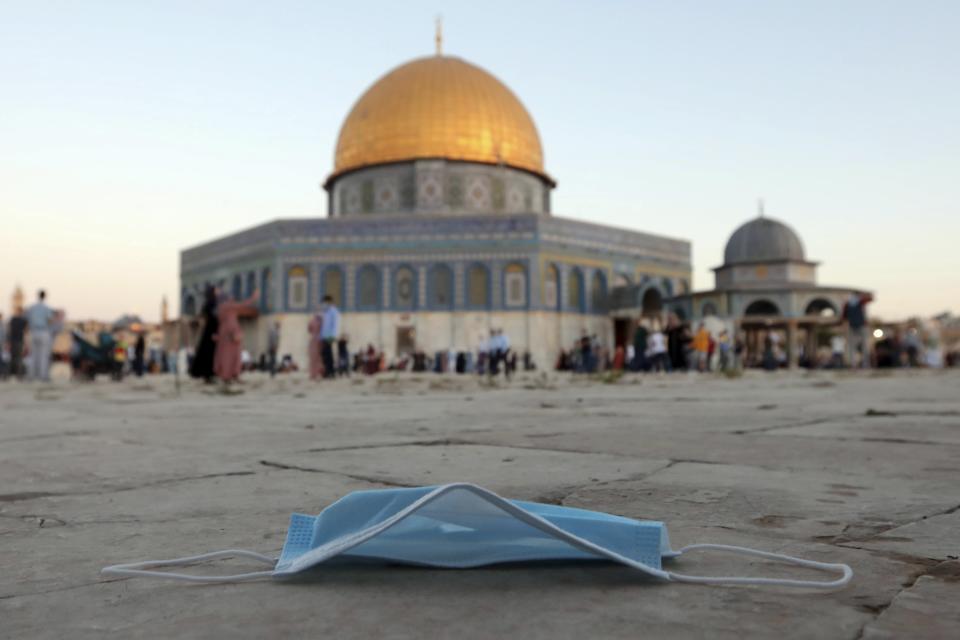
{"x": 767, "y": 284}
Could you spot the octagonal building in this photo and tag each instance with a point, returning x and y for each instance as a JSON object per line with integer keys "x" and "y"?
{"x": 439, "y": 228}
{"x": 766, "y": 283}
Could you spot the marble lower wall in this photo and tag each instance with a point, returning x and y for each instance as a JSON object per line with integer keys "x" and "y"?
{"x": 541, "y": 333}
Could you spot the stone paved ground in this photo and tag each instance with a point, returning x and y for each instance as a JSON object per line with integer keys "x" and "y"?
{"x": 862, "y": 469}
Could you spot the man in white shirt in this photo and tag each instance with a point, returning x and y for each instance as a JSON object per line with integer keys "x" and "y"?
{"x": 658, "y": 351}
{"x": 483, "y": 355}
{"x": 40, "y": 319}
{"x": 328, "y": 336}
{"x": 838, "y": 347}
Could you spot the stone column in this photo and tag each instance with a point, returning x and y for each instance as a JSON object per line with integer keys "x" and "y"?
{"x": 792, "y": 351}
{"x": 812, "y": 345}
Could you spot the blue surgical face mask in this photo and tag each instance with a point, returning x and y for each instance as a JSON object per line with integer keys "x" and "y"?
{"x": 462, "y": 526}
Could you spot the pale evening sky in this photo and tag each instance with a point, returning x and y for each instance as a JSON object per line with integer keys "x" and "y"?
{"x": 131, "y": 130}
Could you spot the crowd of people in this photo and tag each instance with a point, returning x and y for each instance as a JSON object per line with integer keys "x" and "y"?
{"x": 656, "y": 347}
{"x": 669, "y": 344}
{"x": 655, "y": 344}
{"x": 219, "y": 353}
{"x": 493, "y": 356}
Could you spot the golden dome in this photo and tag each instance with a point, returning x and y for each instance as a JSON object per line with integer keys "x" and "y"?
{"x": 438, "y": 107}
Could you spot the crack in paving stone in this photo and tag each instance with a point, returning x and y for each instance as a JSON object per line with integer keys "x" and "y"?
{"x": 26, "y": 495}
{"x": 387, "y": 445}
{"x": 948, "y": 570}
{"x": 43, "y": 436}
{"x": 928, "y": 443}
{"x": 805, "y": 423}
{"x": 67, "y": 588}
{"x": 42, "y": 520}
{"x": 454, "y": 442}
{"x": 33, "y": 495}
{"x": 293, "y": 467}
{"x": 878, "y": 529}
{"x": 901, "y": 441}
{"x": 872, "y": 413}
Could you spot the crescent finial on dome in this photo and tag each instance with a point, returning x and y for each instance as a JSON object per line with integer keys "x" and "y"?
{"x": 438, "y": 36}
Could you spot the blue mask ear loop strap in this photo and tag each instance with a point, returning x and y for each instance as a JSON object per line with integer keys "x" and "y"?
{"x": 845, "y": 570}
{"x": 142, "y": 568}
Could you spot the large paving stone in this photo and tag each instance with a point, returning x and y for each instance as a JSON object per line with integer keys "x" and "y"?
{"x": 934, "y": 537}
{"x": 105, "y": 473}
{"x": 530, "y": 473}
{"x": 928, "y": 609}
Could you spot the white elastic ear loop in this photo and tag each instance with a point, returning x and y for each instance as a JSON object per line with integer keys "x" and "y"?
{"x": 785, "y": 582}
{"x": 140, "y": 568}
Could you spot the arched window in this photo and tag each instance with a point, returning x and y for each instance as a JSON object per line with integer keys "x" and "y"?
{"x": 189, "y": 305}
{"x": 762, "y": 308}
{"x": 405, "y": 288}
{"x": 551, "y": 287}
{"x": 821, "y": 307}
{"x": 368, "y": 287}
{"x": 667, "y": 287}
{"x": 575, "y": 290}
{"x": 598, "y": 292}
{"x": 515, "y": 285}
{"x": 478, "y": 287}
{"x": 266, "y": 290}
{"x": 652, "y": 302}
{"x": 236, "y": 290}
{"x": 297, "y": 288}
{"x": 441, "y": 287}
{"x": 333, "y": 285}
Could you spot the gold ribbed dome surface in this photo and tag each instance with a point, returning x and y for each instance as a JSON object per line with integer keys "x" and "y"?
{"x": 438, "y": 107}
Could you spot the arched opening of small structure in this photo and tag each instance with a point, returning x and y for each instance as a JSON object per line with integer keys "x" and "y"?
{"x": 652, "y": 302}
{"x": 821, "y": 307}
{"x": 762, "y": 308}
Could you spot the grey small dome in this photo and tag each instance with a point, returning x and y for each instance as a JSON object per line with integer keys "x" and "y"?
{"x": 763, "y": 240}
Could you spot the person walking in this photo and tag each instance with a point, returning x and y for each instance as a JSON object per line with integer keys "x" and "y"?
{"x": 273, "y": 345}
{"x": 483, "y": 355}
{"x": 677, "y": 339}
{"x": 40, "y": 319}
{"x": 228, "y": 358}
{"x": 494, "y": 348}
{"x": 16, "y": 330}
{"x": 855, "y": 313}
{"x": 201, "y": 366}
{"x": 639, "y": 360}
{"x": 3, "y": 350}
{"x": 504, "y": 355}
{"x": 314, "y": 355}
{"x": 658, "y": 351}
{"x": 586, "y": 354}
{"x": 838, "y": 346}
{"x": 725, "y": 347}
{"x": 770, "y": 351}
{"x": 343, "y": 355}
{"x": 138, "y": 352}
{"x": 329, "y": 333}
{"x": 701, "y": 347}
